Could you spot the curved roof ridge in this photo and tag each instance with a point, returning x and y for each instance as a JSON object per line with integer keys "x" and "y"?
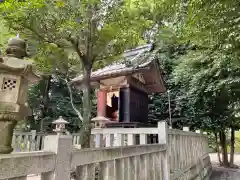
{"x": 121, "y": 65}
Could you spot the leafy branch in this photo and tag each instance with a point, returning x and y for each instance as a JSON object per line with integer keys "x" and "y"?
{"x": 71, "y": 99}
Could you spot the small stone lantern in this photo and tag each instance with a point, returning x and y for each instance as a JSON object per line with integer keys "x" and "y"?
{"x": 16, "y": 73}
{"x": 60, "y": 125}
{"x": 100, "y": 121}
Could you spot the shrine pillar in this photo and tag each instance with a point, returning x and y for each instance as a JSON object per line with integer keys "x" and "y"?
{"x": 101, "y": 102}
{"x": 101, "y": 120}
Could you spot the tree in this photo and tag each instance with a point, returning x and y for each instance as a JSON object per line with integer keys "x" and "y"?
{"x": 53, "y": 95}
{"x": 93, "y": 30}
{"x": 211, "y": 80}
{"x": 57, "y": 103}
{"x": 215, "y": 24}
{"x": 168, "y": 56}
{"x": 213, "y": 28}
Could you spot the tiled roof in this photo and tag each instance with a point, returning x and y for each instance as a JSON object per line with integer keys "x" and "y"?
{"x": 136, "y": 58}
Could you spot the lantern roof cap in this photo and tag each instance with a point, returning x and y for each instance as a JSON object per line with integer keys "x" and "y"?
{"x": 16, "y": 47}
{"x": 16, "y": 63}
{"x": 60, "y": 120}
{"x": 100, "y": 118}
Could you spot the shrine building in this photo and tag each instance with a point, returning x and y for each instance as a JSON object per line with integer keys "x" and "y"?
{"x": 124, "y": 86}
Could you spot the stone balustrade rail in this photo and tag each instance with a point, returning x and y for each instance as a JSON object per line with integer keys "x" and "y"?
{"x": 116, "y": 153}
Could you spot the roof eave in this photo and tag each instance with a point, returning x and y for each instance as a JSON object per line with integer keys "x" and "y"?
{"x": 111, "y": 75}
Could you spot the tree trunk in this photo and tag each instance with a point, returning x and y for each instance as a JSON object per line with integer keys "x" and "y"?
{"x": 45, "y": 96}
{"x": 223, "y": 143}
{"x": 232, "y": 147}
{"x": 217, "y": 148}
{"x": 85, "y": 126}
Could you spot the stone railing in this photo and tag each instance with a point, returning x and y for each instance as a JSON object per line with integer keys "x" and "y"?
{"x": 60, "y": 158}
{"x": 125, "y": 163}
{"x": 106, "y": 137}
{"x": 17, "y": 166}
{"x": 186, "y": 155}
{"x": 28, "y": 141}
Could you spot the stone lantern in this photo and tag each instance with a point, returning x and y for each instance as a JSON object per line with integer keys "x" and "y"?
{"x": 100, "y": 121}
{"x": 16, "y": 73}
{"x": 60, "y": 125}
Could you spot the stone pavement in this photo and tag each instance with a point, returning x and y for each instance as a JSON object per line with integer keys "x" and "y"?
{"x": 220, "y": 173}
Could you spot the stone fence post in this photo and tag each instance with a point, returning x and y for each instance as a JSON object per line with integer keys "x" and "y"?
{"x": 61, "y": 145}
{"x": 163, "y": 139}
{"x": 198, "y": 131}
{"x": 33, "y": 141}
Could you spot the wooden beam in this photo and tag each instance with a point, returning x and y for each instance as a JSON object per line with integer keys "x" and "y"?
{"x": 113, "y": 88}
{"x": 138, "y": 84}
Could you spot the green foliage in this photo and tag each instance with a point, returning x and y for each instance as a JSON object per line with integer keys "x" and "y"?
{"x": 209, "y": 73}
{"x": 206, "y": 76}
{"x": 5, "y": 34}
{"x": 198, "y": 45}
{"x": 168, "y": 55}
{"x": 97, "y": 29}
{"x": 215, "y": 23}
{"x": 211, "y": 80}
{"x": 76, "y": 35}
{"x": 58, "y": 104}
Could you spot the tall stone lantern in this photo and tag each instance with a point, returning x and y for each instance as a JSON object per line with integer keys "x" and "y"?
{"x": 16, "y": 73}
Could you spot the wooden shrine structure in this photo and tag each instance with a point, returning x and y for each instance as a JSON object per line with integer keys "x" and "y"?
{"x": 124, "y": 87}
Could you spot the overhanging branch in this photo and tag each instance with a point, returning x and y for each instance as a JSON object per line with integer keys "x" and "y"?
{"x": 71, "y": 99}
